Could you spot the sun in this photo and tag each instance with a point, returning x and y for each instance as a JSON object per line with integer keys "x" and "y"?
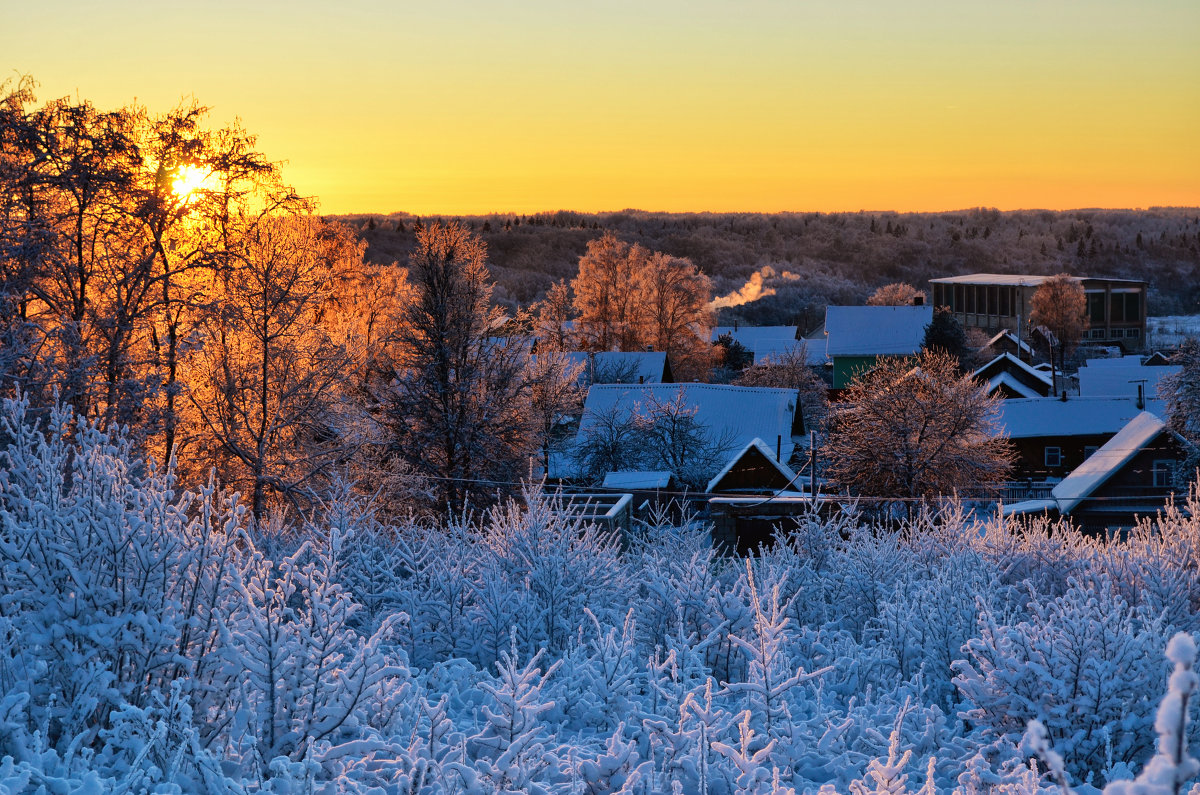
{"x": 189, "y": 179}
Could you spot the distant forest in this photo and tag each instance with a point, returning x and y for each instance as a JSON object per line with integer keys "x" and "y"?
{"x": 811, "y": 260}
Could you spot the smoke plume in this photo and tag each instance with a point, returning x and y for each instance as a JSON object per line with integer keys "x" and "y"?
{"x": 754, "y": 289}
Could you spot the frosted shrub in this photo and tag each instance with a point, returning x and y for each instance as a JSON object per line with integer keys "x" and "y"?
{"x": 1082, "y": 664}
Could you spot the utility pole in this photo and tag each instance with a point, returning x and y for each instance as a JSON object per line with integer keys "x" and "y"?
{"x": 812, "y": 466}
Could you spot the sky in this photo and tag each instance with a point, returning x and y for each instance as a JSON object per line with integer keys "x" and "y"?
{"x": 460, "y": 107}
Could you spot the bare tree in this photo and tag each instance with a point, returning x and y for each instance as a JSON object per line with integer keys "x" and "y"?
{"x": 555, "y": 395}
{"x": 554, "y": 319}
{"x": 673, "y": 303}
{"x": 605, "y": 294}
{"x": 895, "y": 294}
{"x": 1060, "y": 307}
{"x": 673, "y": 440}
{"x": 790, "y": 370}
{"x": 1181, "y": 391}
{"x": 457, "y": 411}
{"x": 916, "y": 428}
{"x": 267, "y": 372}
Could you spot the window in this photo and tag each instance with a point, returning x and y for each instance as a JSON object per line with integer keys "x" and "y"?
{"x": 992, "y": 302}
{"x": 1133, "y": 333}
{"x": 1164, "y": 473}
{"x": 971, "y": 298}
{"x": 958, "y": 305}
{"x": 1054, "y": 457}
{"x": 1088, "y": 450}
{"x": 1096, "y": 334}
{"x": 1006, "y": 302}
{"x": 1095, "y": 308}
{"x": 1116, "y": 308}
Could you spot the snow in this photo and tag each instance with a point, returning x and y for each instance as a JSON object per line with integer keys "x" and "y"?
{"x": 1021, "y": 344}
{"x": 645, "y": 367}
{"x": 153, "y": 639}
{"x": 763, "y": 448}
{"x": 637, "y": 480}
{"x": 1120, "y": 377}
{"x": 738, "y": 413}
{"x": 1010, "y": 381}
{"x": 876, "y": 330}
{"x": 751, "y": 336}
{"x": 1007, "y": 360}
{"x": 1105, "y": 462}
{"x": 1007, "y": 279}
{"x": 1023, "y": 418}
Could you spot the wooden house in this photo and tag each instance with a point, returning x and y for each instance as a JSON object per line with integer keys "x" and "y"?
{"x": 1009, "y": 377}
{"x": 1052, "y": 437}
{"x": 856, "y": 337}
{"x": 1132, "y": 475}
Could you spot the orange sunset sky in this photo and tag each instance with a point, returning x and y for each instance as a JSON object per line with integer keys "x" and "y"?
{"x": 466, "y": 107}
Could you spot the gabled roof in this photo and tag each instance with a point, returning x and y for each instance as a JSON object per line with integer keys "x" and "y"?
{"x": 1019, "y": 344}
{"x": 768, "y": 350}
{"x": 637, "y": 480}
{"x": 1005, "y": 382}
{"x": 760, "y": 455}
{"x": 1120, "y": 377}
{"x": 750, "y": 336}
{"x": 736, "y": 413}
{"x": 876, "y": 330}
{"x": 1107, "y": 461}
{"x": 1027, "y": 418}
{"x": 645, "y": 367}
{"x": 1007, "y": 370}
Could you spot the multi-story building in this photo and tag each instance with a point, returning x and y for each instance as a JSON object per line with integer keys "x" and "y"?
{"x": 994, "y": 302}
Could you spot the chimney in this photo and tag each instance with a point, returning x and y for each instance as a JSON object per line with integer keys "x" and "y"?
{"x": 1141, "y": 404}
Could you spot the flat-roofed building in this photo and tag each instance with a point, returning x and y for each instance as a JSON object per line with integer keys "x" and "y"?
{"x": 997, "y": 301}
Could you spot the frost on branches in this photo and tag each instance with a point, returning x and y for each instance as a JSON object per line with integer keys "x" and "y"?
{"x": 156, "y": 639}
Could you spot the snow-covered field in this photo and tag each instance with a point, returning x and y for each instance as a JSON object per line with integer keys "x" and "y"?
{"x": 1170, "y": 330}
{"x": 151, "y": 641}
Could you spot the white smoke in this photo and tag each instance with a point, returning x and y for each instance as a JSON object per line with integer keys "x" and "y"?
{"x": 754, "y": 289}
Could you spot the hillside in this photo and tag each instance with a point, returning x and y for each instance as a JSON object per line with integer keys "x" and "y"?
{"x": 819, "y": 258}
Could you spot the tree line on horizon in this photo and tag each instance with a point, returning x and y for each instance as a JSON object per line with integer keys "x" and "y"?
{"x": 840, "y": 258}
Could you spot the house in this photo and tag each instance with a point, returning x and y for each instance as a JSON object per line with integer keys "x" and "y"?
{"x": 1009, "y": 377}
{"x": 1005, "y": 341}
{"x": 996, "y": 301}
{"x": 1122, "y": 377}
{"x": 1052, "y": 437}
{"x": 752, "y": 469}
{"x": 1157, "y": 359}
{"x": 619, "y": 367}
{"x": 733, "y": 415}
{"x": 1131, "y": 475}
{"x": 856, "y": 337}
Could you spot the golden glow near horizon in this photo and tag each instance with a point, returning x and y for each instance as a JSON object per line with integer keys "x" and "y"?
{"x": 763, "y": 105}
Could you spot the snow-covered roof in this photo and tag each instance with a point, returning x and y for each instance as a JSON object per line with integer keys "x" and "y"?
{"x": 1120, "y": 377}
{"x": 1105, "y": 462}
{"x": 1006, "y": 361}
{"x": 1008, "y": 279}
{"x": 767, "y": 452}
{"x": 1023, "y": 418}
{"x": 637, "y": 480}
{"x": 1029, "y": 506}
{"x": 737, "y": 414}
{"x": 876, "y": 330}
{"x": 1005, "y": 379}
{"x": 1003, "y": 333}
{"x": 767, "y": 350}
{"x": 646, "y": 367}
{"x": 751, "y": 336}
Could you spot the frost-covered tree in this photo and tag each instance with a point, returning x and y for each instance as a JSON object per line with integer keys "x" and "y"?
{"x": 917, "y": 429}
{"x": 1059, "y": 305}
{"x": 1181, "y": 390}
{"x": 455, "y": 403}
{"x": 895, "y": 294}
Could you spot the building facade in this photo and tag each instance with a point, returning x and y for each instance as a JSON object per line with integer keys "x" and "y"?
{"x": 995, "y": 302}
